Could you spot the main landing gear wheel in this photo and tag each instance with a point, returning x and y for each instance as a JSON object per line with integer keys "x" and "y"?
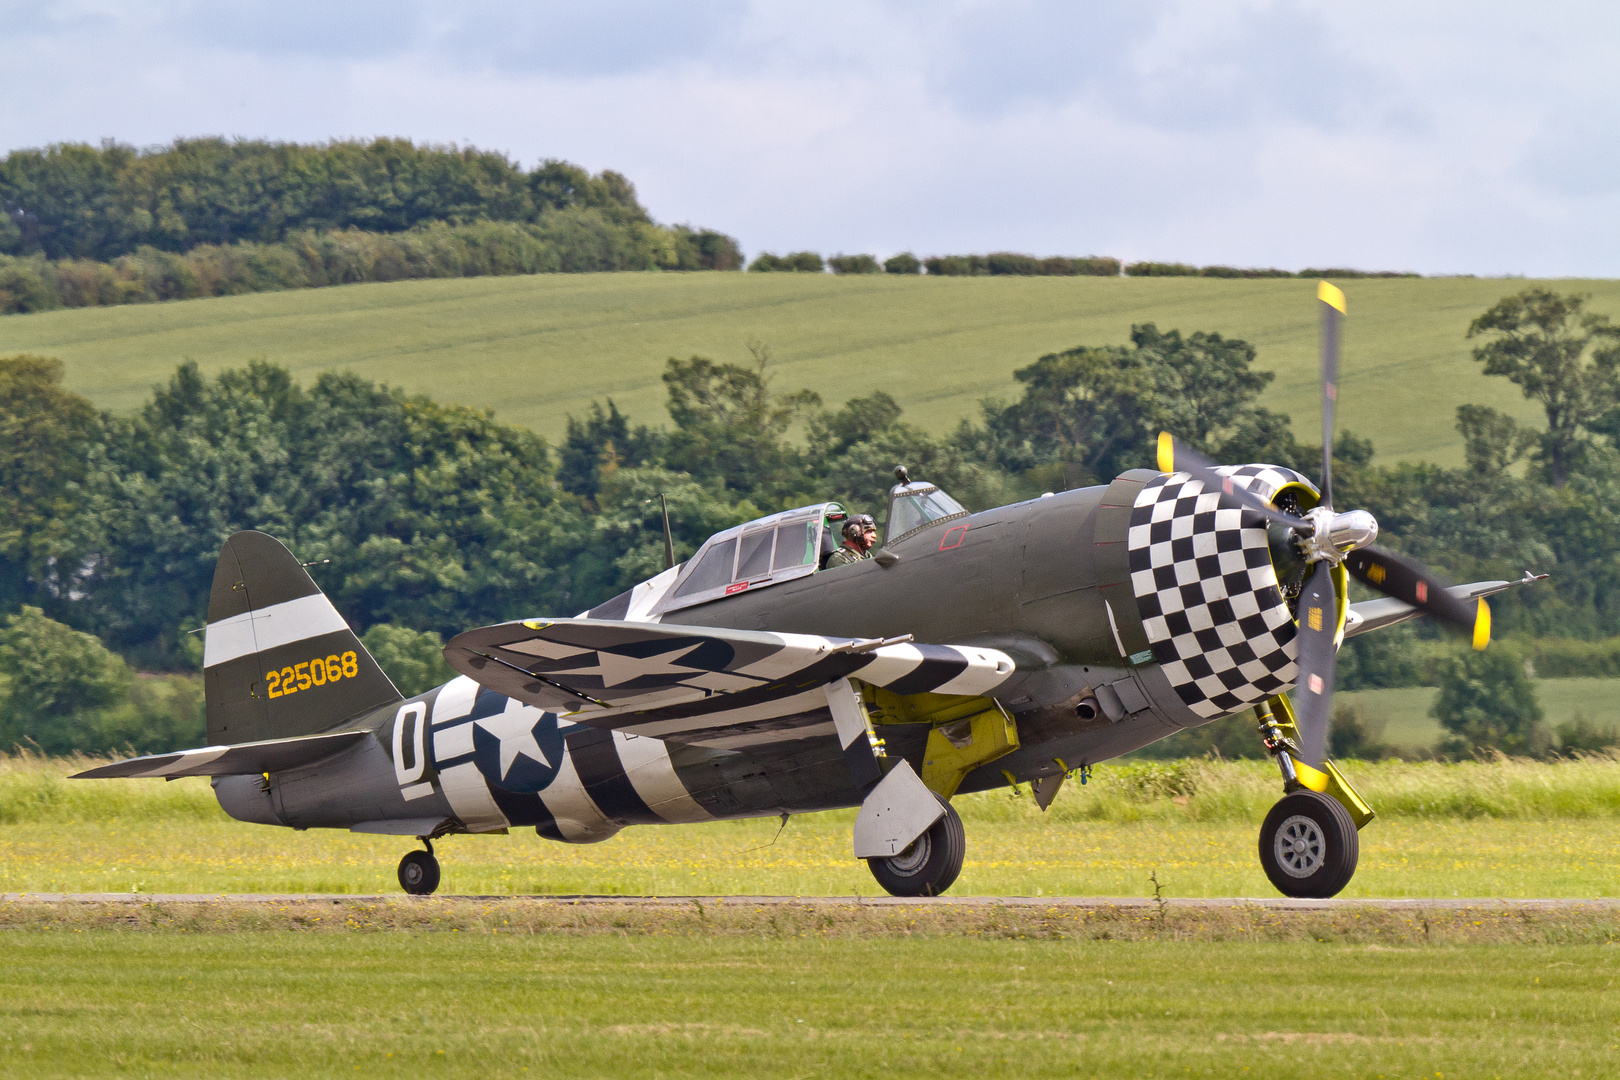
{"x": 1309, "y": 846}
{"x": 419, "y": 873}
{"x": 930, "y": 865}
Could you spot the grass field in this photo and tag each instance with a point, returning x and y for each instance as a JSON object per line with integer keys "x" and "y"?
{"x": 1408, "y": 725}
{"x": 489, "y": 1005}
{"x": 518, "y": 987}
{"x": 1511, "y": 829}
{"x": 538, "y": 348}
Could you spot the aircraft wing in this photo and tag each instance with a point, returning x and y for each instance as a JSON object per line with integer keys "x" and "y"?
{"x": 675, "y": 682}
{"x": 1387, "y": 611}
{"x": 272, "y": 755}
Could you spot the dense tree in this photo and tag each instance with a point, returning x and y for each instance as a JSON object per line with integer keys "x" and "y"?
{"x": 1561, "y": 356}
{"x": 1101, "y": 408}
{"x": 47, "y": 435}
{"x": 624, "y": 542}
{"x": 433, "y": 516}
{"x": 731, "y": 427}
{"x": 802, "y": 262}
{"x": 83, "y": 226}
{"x": 413, "y": 659}
{"x": 601, "y": 444}
{"x": 1204, "y": 383}
{"x": 72, "y": 200}
{"x": 575, "y": 239}
{"x": 1486, "y": 702}
{"x": 853, "y": 264}
{"x": 52, "y": 678}
{"x": 1013, "y": 263}
{"x": 1492, "y": 442}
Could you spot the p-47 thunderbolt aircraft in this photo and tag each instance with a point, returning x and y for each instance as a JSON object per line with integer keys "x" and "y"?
{"x": 974, "y": 651}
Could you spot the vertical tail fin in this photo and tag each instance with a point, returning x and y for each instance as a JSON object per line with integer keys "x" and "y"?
{"x": 279, "y": 660}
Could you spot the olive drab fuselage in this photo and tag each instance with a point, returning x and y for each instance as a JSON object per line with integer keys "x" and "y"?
{"x": 1045, "y": 581}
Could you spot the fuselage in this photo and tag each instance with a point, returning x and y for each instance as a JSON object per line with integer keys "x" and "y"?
{"x": 1050, "y": 582}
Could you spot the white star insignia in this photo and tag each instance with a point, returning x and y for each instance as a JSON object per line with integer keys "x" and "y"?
{"x": 515, "y": 729}
{"x": 616, "y": 670}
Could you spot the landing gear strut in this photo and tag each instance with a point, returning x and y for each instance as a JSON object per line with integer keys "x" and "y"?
{"x": 419, "y": 871}
{"x": 1308, "y": 844}
{"x": 930, "y": 865}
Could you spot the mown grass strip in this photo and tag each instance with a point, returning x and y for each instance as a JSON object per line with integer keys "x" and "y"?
{"x": 1345, "y": 922}
{"x": 484, "y": 1004}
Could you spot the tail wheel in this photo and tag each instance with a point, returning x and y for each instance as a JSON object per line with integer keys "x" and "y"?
{"x": 930, "y": 865}
{"x": 1309, "y": 846}
{"x": 419, "y": 873}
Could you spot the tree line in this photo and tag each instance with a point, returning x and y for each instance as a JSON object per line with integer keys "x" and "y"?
{"x": 73, "y": 201}
{"x": 436, "y": 517}
{"x": 88, "y": 226}
{"x": 574, "y": 240}
{"x": 1014, "y": 264}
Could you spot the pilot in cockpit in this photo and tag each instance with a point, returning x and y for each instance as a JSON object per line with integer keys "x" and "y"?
{"x": 860, "y": 537}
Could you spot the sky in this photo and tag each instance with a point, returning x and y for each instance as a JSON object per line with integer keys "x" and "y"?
{"x": 1439, "y": 136}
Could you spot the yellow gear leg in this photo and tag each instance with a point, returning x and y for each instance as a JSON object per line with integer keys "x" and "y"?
{"x": 1277, "y": 714}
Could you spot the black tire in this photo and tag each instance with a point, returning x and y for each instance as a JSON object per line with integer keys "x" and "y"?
{"x": 930, "y": 865}
{"x": 1309, "y": 846}
{"x": 419, "y": 873}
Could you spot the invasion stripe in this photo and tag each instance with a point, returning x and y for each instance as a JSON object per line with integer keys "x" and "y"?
{"x": 646, "y": 762}
{"x": 469, "y": 796}
{"x": 271, "y": 627}
{"x": 578, "y": 819}
{"x": 521, "y": 809}
{"x": 939, "y": 666}
{"x": 603, "y": 777}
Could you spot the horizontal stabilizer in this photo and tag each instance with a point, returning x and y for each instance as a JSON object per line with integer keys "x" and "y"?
{"x": 272, "y": 755}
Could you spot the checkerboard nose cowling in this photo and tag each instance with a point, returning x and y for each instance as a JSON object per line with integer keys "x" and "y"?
{"x": 1207, "y": 591}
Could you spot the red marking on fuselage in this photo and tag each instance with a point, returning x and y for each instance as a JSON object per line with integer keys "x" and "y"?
{"x": 738, "y": 587}
{"x": 953, "y": 537}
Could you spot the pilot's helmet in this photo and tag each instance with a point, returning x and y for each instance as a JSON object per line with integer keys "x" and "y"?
{"x": 857, "y": 524}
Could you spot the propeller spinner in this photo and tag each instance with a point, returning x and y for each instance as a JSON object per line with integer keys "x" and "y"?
{"x": 1329, "y": 539}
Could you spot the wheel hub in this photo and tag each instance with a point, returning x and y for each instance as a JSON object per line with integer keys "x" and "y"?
{"x": 1300, "y": 846}
{"x": 913, "y": 858}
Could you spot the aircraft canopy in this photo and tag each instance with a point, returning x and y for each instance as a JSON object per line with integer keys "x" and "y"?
{"x": 915, "y": 505}
{"x": 765, "y": 551}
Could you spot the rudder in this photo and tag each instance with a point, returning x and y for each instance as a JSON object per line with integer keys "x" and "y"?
{"x": 279, "y": 660}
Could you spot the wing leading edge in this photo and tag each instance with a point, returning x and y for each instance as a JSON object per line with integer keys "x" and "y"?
{"x": 679, "y": 682}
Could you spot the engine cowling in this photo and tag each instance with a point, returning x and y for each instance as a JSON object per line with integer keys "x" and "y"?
{"x": 1207, "y": 591}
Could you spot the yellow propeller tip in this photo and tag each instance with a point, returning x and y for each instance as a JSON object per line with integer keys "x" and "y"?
{"x": 1482, "y": 626}
{"x": 1331, "y": 295}
{"x": 1167, "y": 452}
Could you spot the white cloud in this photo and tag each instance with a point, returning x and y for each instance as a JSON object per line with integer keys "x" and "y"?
{"x": 1444, "y": 137}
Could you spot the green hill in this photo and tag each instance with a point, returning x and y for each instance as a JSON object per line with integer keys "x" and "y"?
{"x": 538, "y": 348}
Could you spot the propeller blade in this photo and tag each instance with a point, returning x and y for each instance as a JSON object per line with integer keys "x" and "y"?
{"x": 1333, "y": 309}
{"x": 1179, "y": 457}
{"x": 1313, "y": 698}
{"x": 1400, "y": 577}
